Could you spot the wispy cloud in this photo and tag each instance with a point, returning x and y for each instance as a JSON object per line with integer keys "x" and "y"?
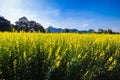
{"x": 13, "y": 10}
{"x": 10, "y": 9}
{"x": 50, "y": 15}
{"x": 84, "y": 25}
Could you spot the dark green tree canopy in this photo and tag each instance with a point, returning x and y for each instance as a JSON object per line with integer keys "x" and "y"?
{"x": 91, "y": 30}
{"x": 66, "y": 30}
{"x": 4, "y": 24}
{"x": 34, "y": 26}
{"x": 22, "y": 24}
{"x": 26, "y": 25}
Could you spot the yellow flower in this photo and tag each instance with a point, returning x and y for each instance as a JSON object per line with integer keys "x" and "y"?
{"x": 57, "y": 63}
{"x": 24, "y": 55}
{"x": 15, "y": 65}
{"x": 110, "y": 59}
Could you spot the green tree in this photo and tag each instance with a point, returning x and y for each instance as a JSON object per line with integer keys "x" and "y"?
{"x": 34, "y": 26}
{"x": 4, "y": 24}
{"x": 110, "y": 31}
{"x": 26, "y": 25}
{"x": 66, "y": 30}
{"x": 91, "y": 31}
{"x": 22, "y": 24}
{"x": 102, "y": 31}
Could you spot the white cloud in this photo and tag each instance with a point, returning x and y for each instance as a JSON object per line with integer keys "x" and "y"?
{"x": 84, "y": 25}
{"x": 10, "y": 9}
{"x": 13, "y": 10}
{"x": 115, "y": 29}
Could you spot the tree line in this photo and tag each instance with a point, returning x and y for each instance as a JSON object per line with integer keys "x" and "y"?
{"x": 23, "y": 24}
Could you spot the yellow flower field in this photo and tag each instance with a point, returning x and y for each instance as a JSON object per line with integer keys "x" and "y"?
{"x": 59, "y": 56}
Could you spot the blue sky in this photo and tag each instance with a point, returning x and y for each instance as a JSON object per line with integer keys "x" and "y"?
{"x": 80, "y": 14}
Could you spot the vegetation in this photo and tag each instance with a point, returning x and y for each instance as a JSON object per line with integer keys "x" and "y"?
{"x": 23, "y": 24}
{"x": 65, "y": 56}
{"x": 4, "y": 24}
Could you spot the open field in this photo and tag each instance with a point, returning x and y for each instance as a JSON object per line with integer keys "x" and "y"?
{"x": 54, "y": 56}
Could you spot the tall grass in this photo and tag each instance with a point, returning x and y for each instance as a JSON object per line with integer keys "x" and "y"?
{"x": 38, "y": 56}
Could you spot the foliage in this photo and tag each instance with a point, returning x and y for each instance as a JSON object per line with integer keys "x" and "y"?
{"x": 25, "y": 25}
{"x": 4, "y": 24}
{"x": 66, "y": 56}
{"x": 66, "y": 30}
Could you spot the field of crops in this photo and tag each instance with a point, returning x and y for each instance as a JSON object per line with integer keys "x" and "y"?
{"x": 59, "y": 56}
